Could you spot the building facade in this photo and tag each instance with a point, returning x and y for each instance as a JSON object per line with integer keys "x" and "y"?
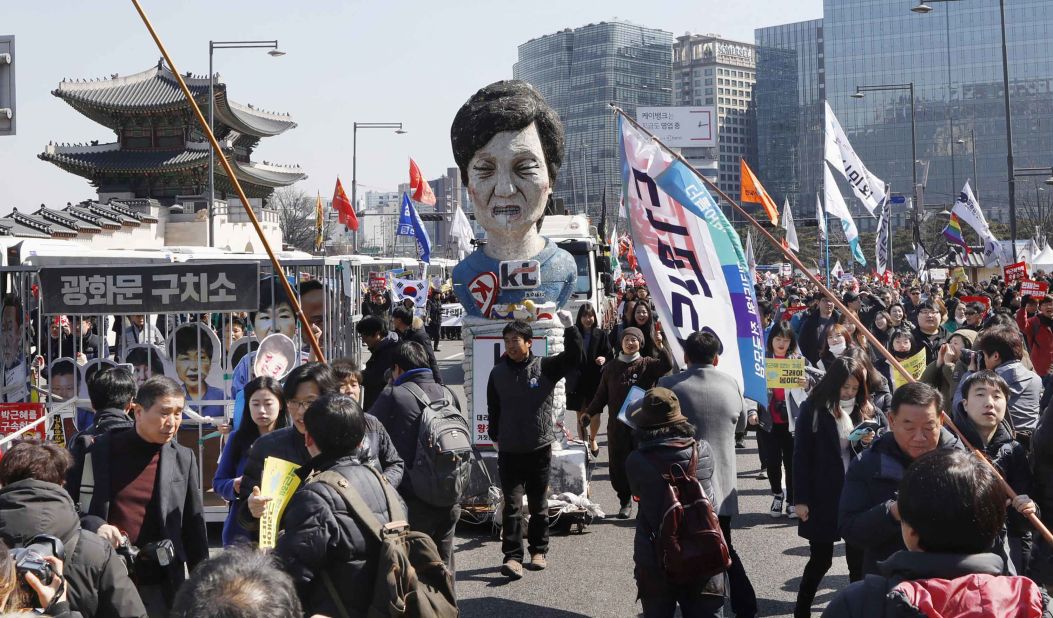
{"x": 788, "y": 102}
{"x": 579, "y": 72}
{"x": 953, "y": 57}
{"x": 710, "y": 70}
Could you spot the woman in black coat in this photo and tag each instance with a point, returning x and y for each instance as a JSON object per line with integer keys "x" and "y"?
{"x": 665, "y": 437}
{"x": 821, "y": 454}
{"x": 581, "y": 384}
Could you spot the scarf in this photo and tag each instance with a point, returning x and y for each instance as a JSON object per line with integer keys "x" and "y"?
{"x": 627, "y": 359}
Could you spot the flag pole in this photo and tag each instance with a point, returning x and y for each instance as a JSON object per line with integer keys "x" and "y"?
{"x": 1035, "y": 521}
{"x": 275, "y": 263}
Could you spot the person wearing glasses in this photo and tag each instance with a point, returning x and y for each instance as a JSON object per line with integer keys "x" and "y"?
{"x": 928, "y": 333}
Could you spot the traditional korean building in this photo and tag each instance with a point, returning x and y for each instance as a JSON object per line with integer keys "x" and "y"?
{"x": 155, "y": 174}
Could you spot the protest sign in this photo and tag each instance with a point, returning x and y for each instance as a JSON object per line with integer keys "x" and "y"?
{"x": 16, "y": 416}
{"x": 1016, "y": 272}
{"x": 914, "y": 365}
{"x": 784, "y": 372}
{"x": 279, "y": 481}
{"x": 1034, "y": 288}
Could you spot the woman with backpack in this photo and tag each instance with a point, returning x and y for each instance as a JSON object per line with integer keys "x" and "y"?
{"x": 666, "y": 445}
{"x": 822, "y": 451}
{"x": 264, "y": 411}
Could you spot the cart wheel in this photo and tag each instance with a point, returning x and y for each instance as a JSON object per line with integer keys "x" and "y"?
{"x": 581, "y": 527}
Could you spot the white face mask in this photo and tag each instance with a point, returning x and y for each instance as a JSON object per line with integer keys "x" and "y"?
{"x": 847, "y": 405}
{"x": 837, "y": 348}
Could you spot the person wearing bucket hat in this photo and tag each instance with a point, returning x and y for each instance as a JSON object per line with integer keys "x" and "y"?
{"x": 627, "y": 369}
{"x": 664, "y": 438}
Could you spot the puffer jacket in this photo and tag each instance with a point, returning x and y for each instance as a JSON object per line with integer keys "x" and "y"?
{"x": 321, "y": 536}
{"x": 1038, "y": 332}
{"x": 286, "y": 443}
{"x": 871, "y": 483}
{"x": 923, "y": 584}
{"x": 98, "y": 582}
{"x": 619, "y": 376}
{"x": 373, "y": 376}
{"x": 647, "y": 485}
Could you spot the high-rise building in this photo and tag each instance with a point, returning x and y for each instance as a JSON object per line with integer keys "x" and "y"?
{"x": 579, "y": 72}
{"x": 788, "y": 101}
{"x": 710, "y": 70}
{"x": 953, "y": 57}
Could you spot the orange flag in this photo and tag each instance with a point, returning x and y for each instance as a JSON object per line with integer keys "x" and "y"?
{"x": 753, "y": 192}
{"x": 342, "y": 205}
{"x": 420, "y": 189}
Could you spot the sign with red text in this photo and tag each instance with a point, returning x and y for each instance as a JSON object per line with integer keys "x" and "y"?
{"x": 1016, "y": 272}
{"x": 15, "y": 416}
{"x": 1034, "y": 288}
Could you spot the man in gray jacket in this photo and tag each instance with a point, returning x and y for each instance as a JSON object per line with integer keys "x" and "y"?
{"x": 712, "y": 401}
{"x": 518, "y": 402}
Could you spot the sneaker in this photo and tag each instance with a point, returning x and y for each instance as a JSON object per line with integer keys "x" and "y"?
{"x": 776, "y": 506}
{"x": 537, "y": 562}
{"x": 625, "y": 511}
{"x": 762, "y": 475}
{"x": 512, "y": 569}
{"x": 791, "y": 511}
{"x": 740, "y": 442}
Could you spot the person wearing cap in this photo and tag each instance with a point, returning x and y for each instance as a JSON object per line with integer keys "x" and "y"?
{"x": 628, "y": 369}
{"x": 712, "y": 400}
{"x": 665, "y": 438}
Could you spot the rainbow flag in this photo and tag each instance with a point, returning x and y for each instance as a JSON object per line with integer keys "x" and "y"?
{"x": 953, "y": 233}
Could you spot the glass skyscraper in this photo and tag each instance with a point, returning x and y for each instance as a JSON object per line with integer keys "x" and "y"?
{"x": 579, "y": 72}
{"x": 788, "y": 103}
{"x": 953, "y": 57}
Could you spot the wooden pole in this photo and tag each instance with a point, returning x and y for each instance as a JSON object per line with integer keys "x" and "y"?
{"x": 275, "y": 263}
{"x": 1035, "y": 521}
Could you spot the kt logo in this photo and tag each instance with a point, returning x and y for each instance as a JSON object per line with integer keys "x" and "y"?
{"x": 520, "y": 275}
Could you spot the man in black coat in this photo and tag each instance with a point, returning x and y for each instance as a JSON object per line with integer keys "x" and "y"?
{"x": 402, "y": 322}
{"x": 382, "y": 347}
{"x": 322, "y": 539}
{"x": 868, "y": 516}
{"x": 813, "y": 329}
{"x": 400, "y": 412}
{"x": 33, "y": 502}
{"x": 146, "y": 486}
{"x": 111, "y": 391}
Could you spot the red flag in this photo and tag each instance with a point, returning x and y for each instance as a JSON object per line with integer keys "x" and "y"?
{"x": 420, "y": 188}
{"x": 343, "y": 207}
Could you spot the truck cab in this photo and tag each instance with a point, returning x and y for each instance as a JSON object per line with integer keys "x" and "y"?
{"x": 572, "y": 234}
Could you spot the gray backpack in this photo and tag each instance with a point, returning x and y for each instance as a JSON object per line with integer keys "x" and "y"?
{"x": 442, "y": 467}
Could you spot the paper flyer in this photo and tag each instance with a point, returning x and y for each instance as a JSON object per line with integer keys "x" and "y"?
{"x": 279, "y": 482}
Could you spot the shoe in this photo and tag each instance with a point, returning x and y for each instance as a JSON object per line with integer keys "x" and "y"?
{"x": 791, "y": 511}
{"x": 740, "y": 443}
{"x": 537, "y": 562}
{"x": 594, "y": 449}
{"x": 776, "y": 506}
{"x": 625, "y": 511}
{"x": 762, "y": 475}
{"x": 512, "y": 569}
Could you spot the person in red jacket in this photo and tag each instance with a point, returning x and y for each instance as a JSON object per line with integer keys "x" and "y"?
{"x": 1038, "y": 332}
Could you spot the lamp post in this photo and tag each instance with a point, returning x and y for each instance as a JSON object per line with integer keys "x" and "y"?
{"x": 397, "y": 127}
{"x": 972, "y": 146}
{"x": 859, "y": 94}
{"x": 212, "y": 47}
{"x": 923, "y": 8}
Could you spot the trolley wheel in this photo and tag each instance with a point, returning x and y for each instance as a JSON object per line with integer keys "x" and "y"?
{"x": 581, "y": 527}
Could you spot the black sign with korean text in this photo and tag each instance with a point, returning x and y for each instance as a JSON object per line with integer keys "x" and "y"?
{"x": 149, "y": 288}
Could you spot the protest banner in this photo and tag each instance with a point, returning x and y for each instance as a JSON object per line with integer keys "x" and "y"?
{"x": 377, "y": 282}
{"x": 452, "y": 314}
{"x": 1015, "y": 272}
{"x": 486, "y": 352}
{"x": 16, "y": 416}
{"x": 279, "y": 481}
{"x": 1034, "y": 288}
{"x": 914, "y": 365}
{"x": 784, "y": 372}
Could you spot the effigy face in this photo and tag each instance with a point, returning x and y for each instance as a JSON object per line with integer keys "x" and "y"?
{"x": 517, "y": 273}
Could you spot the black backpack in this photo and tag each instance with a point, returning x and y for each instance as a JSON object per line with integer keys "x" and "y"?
{"x": 442, "y": 467}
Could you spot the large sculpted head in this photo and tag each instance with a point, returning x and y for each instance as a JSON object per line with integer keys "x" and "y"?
{"x": 508, "y": 144}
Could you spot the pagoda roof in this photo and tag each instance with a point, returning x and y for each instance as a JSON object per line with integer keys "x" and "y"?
{"x": 156, "y": 90}
{"x": 86, "y": 160}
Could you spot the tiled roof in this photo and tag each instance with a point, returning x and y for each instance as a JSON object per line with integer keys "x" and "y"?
{"x": 110, "y": 157}
{"x": 103, "y": 210}
{"x": 267, "y": 175}
{"x": 155, "y": 90}
{"x": 84, "y": 214}
{"x": 13, "y": 228}
{"x": 144, "y": 203}
{"x": 65, "y": 219}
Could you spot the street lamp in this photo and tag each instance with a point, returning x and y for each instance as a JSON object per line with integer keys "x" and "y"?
{"x": 859, "y": 94}
{"x": 972, "y": 146}
{"x": 212, "y": 46}
{"x": 397, "y": 126}
{"x": 924, "y": 8}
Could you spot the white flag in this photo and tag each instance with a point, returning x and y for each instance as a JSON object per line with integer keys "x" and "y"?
{"x": 751, "y": 260}
{"x": 461, "y": 232}
{"x": 837, "y": 270}
{"x": 839, "y": 152}
{"x": 787, "y": 224}
{"x": 967, "y": 208}
{"x": 820, "y": 216}
{"x": 881, "y": 248}
{"x": 835, "y": 205}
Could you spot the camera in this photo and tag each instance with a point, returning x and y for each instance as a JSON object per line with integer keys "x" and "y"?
{"x": 30, "y": 557}
{"x": 968, "y": 356}
{"x": 160, "y": 553}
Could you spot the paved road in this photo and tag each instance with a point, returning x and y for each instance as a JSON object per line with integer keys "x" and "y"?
{"x": 591, "y": 574}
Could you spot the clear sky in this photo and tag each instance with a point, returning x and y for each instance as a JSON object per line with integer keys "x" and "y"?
{"x": 410, "y": 61}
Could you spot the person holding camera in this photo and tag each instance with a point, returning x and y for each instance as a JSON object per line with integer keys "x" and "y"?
{"x": 145, "y": 495}
{"x": 17, "y": 587}
{"x": 38, "y": 517}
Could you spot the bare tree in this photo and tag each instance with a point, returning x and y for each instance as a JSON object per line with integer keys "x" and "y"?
{"x": 296, "y": 217}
